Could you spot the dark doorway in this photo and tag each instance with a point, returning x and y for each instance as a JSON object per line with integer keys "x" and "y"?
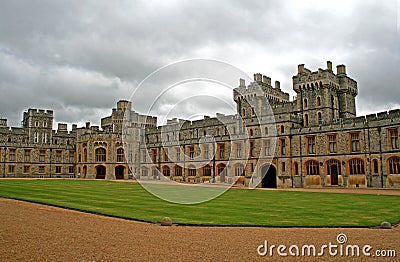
{"x": 334, "y": 175}
{"x": 100, "y": 172}
{"x": 221, "y": 172}
{"x": 268, "y": 173}
{"x": 119, "y": 172}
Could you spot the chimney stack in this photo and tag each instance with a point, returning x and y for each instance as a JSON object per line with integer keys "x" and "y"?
{"x": 277, "y": 85}
{"x": 341, "y": 70}
{"x": 329, "y": 65}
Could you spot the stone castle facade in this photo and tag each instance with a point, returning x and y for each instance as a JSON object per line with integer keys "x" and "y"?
{"x": 316, "y": 140}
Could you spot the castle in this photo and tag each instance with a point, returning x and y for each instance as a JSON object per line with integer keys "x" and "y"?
{"x": 315, "y": 140}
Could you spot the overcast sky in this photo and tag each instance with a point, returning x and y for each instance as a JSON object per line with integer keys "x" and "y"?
{"x": 79, "y": 57}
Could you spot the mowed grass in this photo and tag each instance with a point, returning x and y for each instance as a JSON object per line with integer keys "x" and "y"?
{"x": 237, "y": 207}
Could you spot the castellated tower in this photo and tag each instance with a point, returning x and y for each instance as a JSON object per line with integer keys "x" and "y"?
{"x": 322, "y": 96}
{"x": 247, "y": 98}
{"x": 39, "y": 124}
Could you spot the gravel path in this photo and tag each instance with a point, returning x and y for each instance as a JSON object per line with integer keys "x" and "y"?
{"x": 33, "y": 232}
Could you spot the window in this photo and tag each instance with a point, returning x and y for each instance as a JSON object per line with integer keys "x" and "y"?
{"x": 71, "y": 156}
{"x": 319, "y": 118}
{"x": 205, "y": 151}
{"x": 266, "y": 130}
{"x": 178, "y": 154}
{"x": 283, "y": 146}
{"x": 283, "y": 166}
{"x": 191, "y": 171}
{"x": 251, "y": 132}
{"x": 11, "y": 156}
{"x": 27, "y": 169}
{"x": 42, "y": 156}
{"x": 221, "y": 151}
{"x": 166, "y": 154}
{"x": 44, "y": 123}
{"x": 85, "y": 155}
{"x": 394, "y": 139}
{"x": 296, "y": 169}
{"x": 375, "y": 166}
{"x": 207, "y": 170}
{"x": 36, "y": 137}
{"x": 311, "y": 144}
{"x": 58, "y": 169}
{"x": 355, "y": 142}
{"x": 251, "y": 152}
{"x": 42, "y": 169}
{"x": 332, "y": 143}
{"x": 239, "y": 170}
{"x": 333, "y": 167}
{"x": 166, "y": 171}
{"x": 282, "y": 129}
{"x": 58, "y": 156}
{"x": 243, "y": 112}
{"x": 191, "y": 152}
{"x": 356, "y": 167}
{"x": 71, "y": 169}
{"x": 305, "y": 119}
{"x": 11, "y": 169}
{"x": 305, "y": 103}
{"x": 120, "y": 155}
{"x": 36, "y": 123}
{"x": 100, "y": 154}
{"x": 267, "y": 147}
{"x": 252, "y": 111}
{"x": 318, "y": 101}
{"x": 178, "y": 171}
{"x": 312, "y": 168}
{"x": 154, "y": 155}
{"x": 44, "y": 138}
{"x": 238, "y": 150}
{"x": 27, "y": 155}
{"x": 394, "y": 165}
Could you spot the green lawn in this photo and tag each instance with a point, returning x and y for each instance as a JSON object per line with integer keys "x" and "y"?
{"x": 237, "y": 207}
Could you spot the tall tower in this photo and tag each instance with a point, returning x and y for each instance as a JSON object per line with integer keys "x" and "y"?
{"x": 39, "y": 124}
{"x": 323, "y": 96}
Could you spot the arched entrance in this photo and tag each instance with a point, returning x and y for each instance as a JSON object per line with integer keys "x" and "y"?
{"x": 119, "y": 172}
{"x": 268, "y": 173}
{"x": 100, "y": 172}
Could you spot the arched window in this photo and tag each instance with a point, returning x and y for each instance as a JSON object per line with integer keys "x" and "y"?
{"x": 120, "y": 155}
{"x": 306, "y": 120}
{"x": 319, "y": 118}
{"x": 239, "y": 170}
{"x": 178, "y": 170}
{"x": 356, "y": 166}
{"x": 375, "y": 166}
{"x": 166, "y": 171}
{"x": 207, "y": 170}
{"x": 305, "y": 103}
{"x": 266, "y": 130}
{"x": 318, "y": 101}
{"x": 333, "y": 167}
{"x": 100, "y": 154}
{"x": 243, "y": 112}
{"x": 191, "y": 170}
{"x": 85, "y": 155}
{"x": 394, "y": 165}
{"x": 312, "y": 168}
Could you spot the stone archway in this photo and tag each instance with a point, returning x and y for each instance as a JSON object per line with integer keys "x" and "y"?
{"x": 100, "y": 172}
{"x": 268, "y": 173}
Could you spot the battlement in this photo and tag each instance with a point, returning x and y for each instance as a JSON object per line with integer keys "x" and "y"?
{"x": 3, "y": 122}
{"x": 39, "y": 112}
